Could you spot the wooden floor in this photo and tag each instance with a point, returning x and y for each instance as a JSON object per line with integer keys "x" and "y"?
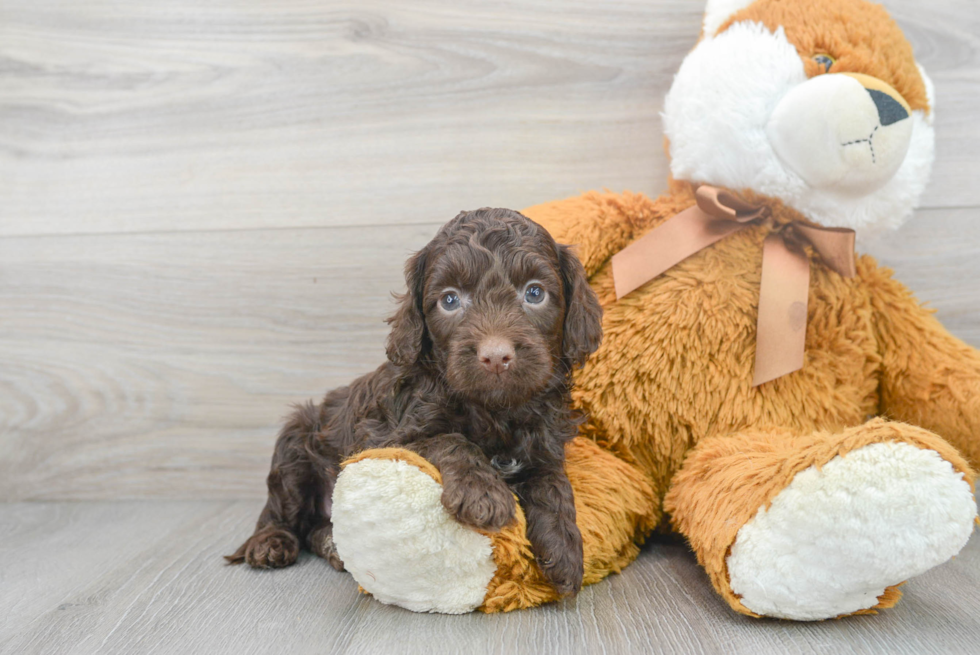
{"x": 147, "y": 577}
{"x": 203, "y": 209}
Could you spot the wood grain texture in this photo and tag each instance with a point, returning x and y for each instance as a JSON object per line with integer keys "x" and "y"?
{"x": 160, "y": 365}
{"x": 134, "y": 117}
{"x": 305, "y": 113}
{"x": 937, "y": 255}
{"x": 141, "y": 577}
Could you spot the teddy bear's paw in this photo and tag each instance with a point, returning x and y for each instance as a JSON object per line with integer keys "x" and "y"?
{"x": 401, "y": 545}
{"x": 832, "y": 541}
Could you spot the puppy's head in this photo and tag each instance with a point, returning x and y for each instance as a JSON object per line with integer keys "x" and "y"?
{"x": 498, "y": 307}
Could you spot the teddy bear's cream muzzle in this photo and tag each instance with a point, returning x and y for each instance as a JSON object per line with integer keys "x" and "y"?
{"x": 843, "y": 132}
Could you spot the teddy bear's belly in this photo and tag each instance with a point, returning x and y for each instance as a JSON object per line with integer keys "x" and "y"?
{"x": 676, "y": 363}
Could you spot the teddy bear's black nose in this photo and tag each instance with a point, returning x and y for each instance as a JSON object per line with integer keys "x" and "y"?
{"x": 889, "y": 110}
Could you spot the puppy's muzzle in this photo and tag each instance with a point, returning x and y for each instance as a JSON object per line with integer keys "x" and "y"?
{"x": 496, "y": 354}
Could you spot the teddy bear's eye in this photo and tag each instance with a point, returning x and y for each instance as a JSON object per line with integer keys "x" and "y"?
{"x": 824, "y": 60}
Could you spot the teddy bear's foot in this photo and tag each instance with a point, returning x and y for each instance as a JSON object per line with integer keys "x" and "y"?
{"x": 836, "y": 538}
{"x": 838, "y": 520}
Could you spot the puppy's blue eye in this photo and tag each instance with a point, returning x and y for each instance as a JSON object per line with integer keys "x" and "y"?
{"x": 534, "y": 294}
{"x": 450, "y": 301}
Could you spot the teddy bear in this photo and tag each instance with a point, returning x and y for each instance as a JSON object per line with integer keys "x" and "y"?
{"x": 783, "y": 404}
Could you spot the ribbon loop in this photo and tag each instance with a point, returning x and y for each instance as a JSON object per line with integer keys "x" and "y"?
{"x": 723, "y": 204}
{"x": 781, "y": 327}
{"x": 835, "y": 245}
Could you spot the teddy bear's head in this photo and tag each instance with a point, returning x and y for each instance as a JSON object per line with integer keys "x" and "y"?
{"x": 819, "y": 103}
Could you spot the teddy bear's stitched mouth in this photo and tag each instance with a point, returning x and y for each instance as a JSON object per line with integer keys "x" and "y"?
{"x": 867, "y": 140}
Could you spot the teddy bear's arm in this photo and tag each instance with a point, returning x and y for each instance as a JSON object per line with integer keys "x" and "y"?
{"x": 929, "y": 377}
{"x": 397, "y": 539}
{"x": 601, "y": 224}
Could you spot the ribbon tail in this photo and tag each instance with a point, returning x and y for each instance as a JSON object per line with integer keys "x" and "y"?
{"x": 781, "y": 333}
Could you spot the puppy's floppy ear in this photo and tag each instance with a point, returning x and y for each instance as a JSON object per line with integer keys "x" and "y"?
{"x": 408, "y": 334}
{"x": 583, "y": 314}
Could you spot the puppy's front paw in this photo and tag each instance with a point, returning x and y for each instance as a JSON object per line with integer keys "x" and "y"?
{"x": 479, "y": 503}
{"x": 270, "y": 548}
{"x": 559, "y": 557}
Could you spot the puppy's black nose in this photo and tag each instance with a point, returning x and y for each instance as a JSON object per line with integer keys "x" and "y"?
{"x": 495, "y": 354}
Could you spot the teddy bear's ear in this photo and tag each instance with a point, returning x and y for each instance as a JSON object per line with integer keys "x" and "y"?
{"x": 718, "y": 11}
{"x": 930, "y": 93}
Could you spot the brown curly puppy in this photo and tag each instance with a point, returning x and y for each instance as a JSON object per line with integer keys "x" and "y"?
{"x": 480, "y": 357}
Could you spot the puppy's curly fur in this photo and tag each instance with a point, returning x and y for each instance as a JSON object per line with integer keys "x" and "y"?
{"x": 477, "y": 381}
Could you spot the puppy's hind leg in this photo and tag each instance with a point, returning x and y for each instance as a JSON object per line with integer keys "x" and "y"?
{"x": 320, "y": 542}
{"x": 295, "y": 503}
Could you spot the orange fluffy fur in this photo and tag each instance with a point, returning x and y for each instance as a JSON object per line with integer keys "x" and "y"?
{"x": 860, "y": 36}
{"x": 670, "y": 399}
{"x": 675, "y": 424}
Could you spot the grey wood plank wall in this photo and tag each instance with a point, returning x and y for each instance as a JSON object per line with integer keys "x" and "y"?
{"x": 203, "y": 208}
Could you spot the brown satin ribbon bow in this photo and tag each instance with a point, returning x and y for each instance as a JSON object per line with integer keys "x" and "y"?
{"x": 781, "y": 331}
